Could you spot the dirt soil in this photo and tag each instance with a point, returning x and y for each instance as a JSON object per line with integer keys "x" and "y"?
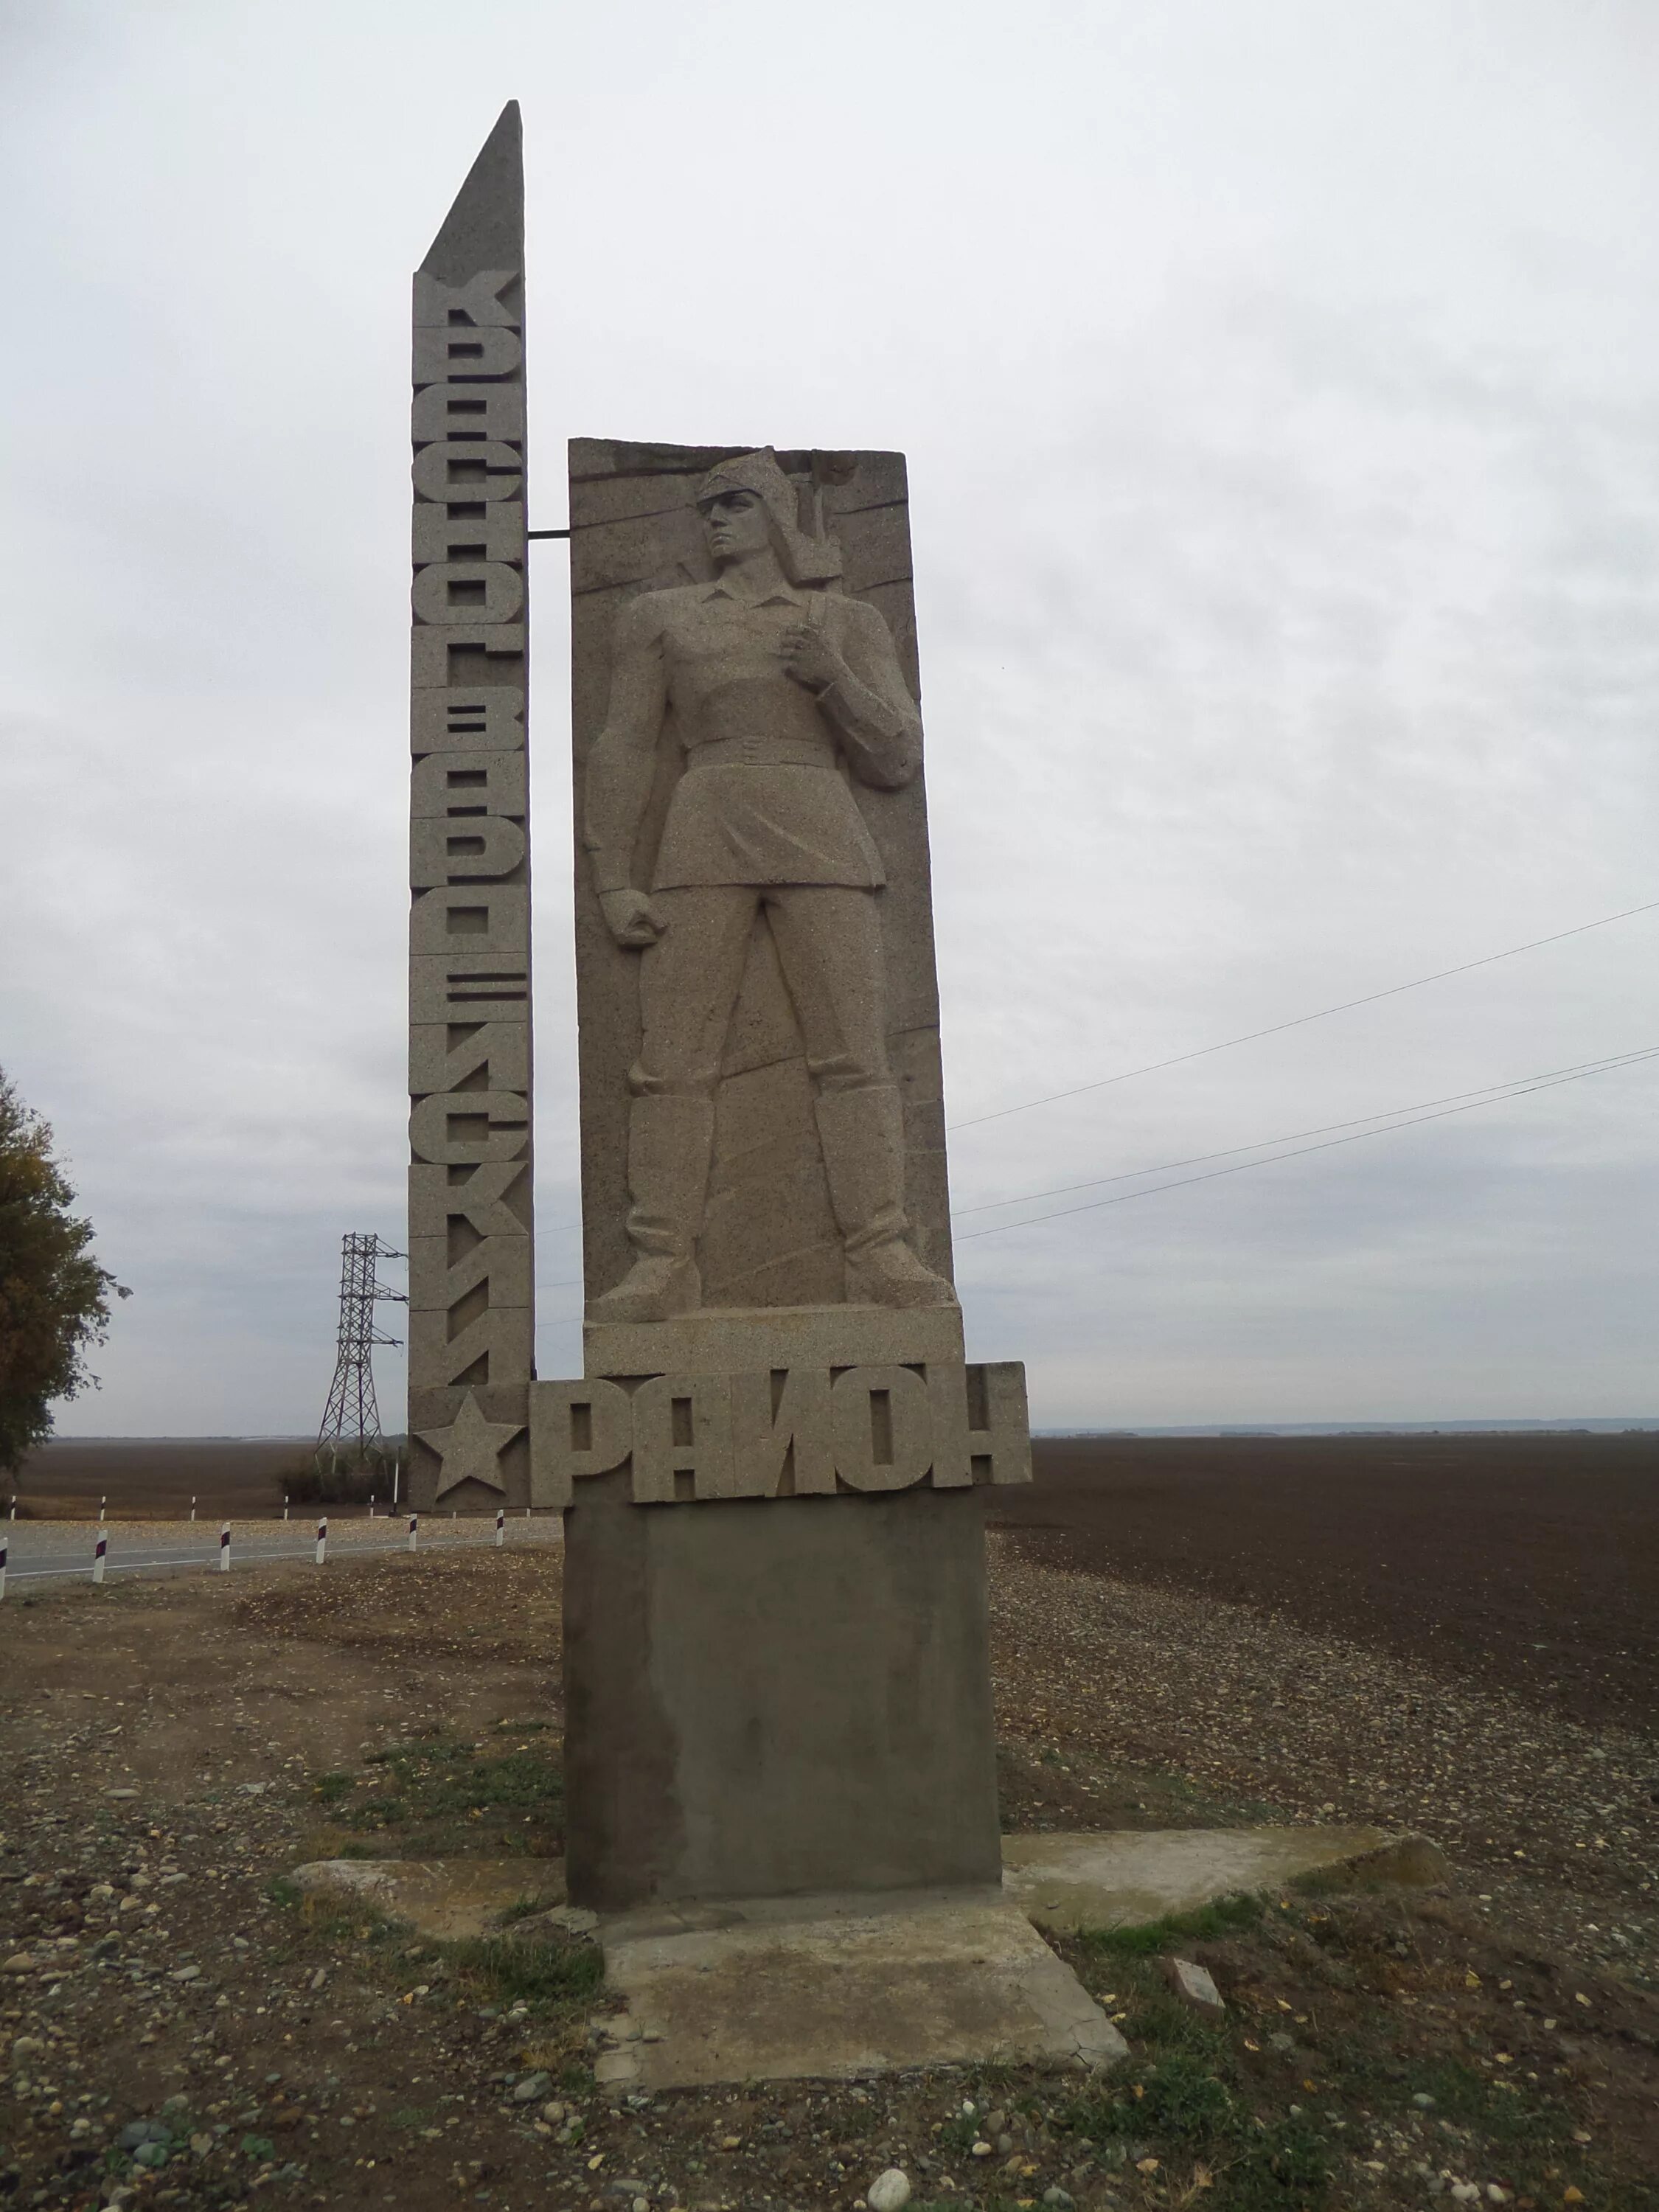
{"x": 182, "y": 2029}
{"x": 1530, "y": 1561}
{"x": 231, "y": 1477}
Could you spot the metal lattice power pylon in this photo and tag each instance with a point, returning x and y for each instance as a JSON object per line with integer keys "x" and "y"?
{"x": 351, "y": 1425}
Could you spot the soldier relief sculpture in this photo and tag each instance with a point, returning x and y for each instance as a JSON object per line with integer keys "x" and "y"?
{"x": 783, "y": 694}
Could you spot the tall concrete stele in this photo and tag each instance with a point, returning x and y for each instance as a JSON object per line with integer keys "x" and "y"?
{"x": 472, "y": 1296}
{"x": 789, "y": 1693}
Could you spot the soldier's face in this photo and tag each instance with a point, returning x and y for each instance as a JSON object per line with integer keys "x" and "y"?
{"x": 735, "y": 524}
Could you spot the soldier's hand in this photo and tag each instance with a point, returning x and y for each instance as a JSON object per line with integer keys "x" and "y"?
{"x": 629, "y": 917}
{"x": 810, "y": 659}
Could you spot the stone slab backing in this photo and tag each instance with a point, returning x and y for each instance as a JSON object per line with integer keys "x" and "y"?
{"x": 769, "y": 1237}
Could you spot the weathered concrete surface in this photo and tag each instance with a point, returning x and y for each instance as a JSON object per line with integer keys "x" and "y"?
{"x": 471, "y": 1301}
{"x": 774, "y": 1697}
{"x": 447, "y": 1898}
{"x": 846, "y": 1986}
{"x": 1112, "y": 1879}
{"x": 1120, "y": 1879}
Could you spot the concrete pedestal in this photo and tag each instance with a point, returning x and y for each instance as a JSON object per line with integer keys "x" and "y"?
{"x": 772, "y": 1696}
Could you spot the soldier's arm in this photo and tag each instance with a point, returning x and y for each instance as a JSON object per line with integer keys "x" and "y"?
{"x": 870, "y": 705}
{"x": 623, "y": 762}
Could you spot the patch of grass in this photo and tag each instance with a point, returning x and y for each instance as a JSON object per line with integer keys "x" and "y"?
{"x": 1180, "y": 2103}
{"x": 377, "y": 1812}
{"x": 339, "y": 1920}
{"x": 1160, "y": 2023}
{"x": 332, "y": 1788}
{"x": 1178, "y": 2097}
{"x": 1228, "y": 1916}
{"x": 1183, "y": 2096}
{"x": 1506, "y": 2113}
{"x": 525, "y": 1909}
{"x": 282, "y": 1890}
{"x": 1287, "y": 2164}
{"x": 1184, "y": 2102}
{"x": 537, "y": 1973}
{"x": 450, "y": 1791}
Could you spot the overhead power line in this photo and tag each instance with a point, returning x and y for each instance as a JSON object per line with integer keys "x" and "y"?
{"x": 1124, "y": 1198}
{"x": 1277, "y": 1029}
{"x": 1492, "y": 1093}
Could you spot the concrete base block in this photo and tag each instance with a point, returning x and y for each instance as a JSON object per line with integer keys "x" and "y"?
{"x": 776, "y": 1696}
{"x": 843, "y": 1986}
{"x": 1121, "y": 1880}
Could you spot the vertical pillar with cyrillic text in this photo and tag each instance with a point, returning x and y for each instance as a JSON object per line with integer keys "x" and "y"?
{"x": 472, "y": 1328}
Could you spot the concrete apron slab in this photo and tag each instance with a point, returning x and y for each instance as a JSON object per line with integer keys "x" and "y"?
{"x": 854, "y": 1984}
{"x": 449, "y": 1900}
{"x": 840, "y": 1988}
{"x": 1118, "y": 1879}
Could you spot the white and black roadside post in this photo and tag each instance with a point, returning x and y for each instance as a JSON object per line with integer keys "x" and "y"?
{"x": 285, "y": 1505}
{"x": 501, "y": 1526}
{"x": 192, "y": 1508}
{"x": 322, "y": 1539}
{"x": 98, "y": 1556}
{"x": 102, "y": 1503}
{"x": 224, "y": 1549}
{"x": 413, "y": 1528}
{"x": 3, "y": 1566}
{"x": 396, "y": 1469}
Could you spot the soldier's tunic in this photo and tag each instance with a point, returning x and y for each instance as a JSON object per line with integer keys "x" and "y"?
{"x": 763, "y": 799}
{"x": 763, "y": 816}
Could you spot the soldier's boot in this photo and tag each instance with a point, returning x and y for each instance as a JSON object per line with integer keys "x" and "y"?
{"x": 669, "y": 1144}
{"x": 862, "y": 1134}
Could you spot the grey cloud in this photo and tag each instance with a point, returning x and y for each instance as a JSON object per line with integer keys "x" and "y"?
{"x": 1283, "y": 431}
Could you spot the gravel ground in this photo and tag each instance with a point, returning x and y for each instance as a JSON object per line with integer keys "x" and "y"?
{"x": 1551, "y": 1822}
{"x": 178, "y": 2028}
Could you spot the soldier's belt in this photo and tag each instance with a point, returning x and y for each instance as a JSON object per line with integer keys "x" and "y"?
{"x": 761, "y": 753}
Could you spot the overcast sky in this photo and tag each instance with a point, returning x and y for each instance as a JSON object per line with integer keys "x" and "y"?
{"x": 1280, "y": 386}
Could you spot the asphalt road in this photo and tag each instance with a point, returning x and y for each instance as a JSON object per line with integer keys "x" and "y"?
{"x": 39, "y": 1551}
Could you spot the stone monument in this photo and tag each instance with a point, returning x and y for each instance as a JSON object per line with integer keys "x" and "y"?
{"x": 776, "y": 1667}
{"x": 471, "y": 1329}
{"x": 779, "y": 1764}
{"x": 788, "y": 1690}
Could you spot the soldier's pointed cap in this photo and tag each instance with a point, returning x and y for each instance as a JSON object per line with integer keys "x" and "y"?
{"x": 485, "y": 229}
{"x": 807, "y": 560}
